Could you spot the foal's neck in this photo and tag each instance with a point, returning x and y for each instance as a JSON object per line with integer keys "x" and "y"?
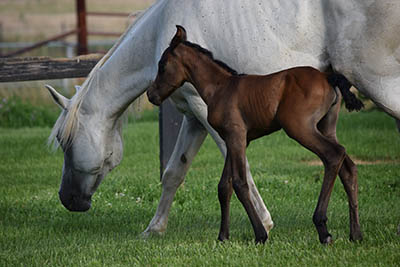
{"x": 205, "y": 74}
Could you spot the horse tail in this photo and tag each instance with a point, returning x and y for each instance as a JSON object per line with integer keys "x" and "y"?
{"x": 350, "y": 100}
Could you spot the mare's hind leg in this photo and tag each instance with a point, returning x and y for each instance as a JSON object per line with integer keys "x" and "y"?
{"x": 190, "y": 138}
{"x": 332, "y": 155}
{"x": 347, "y": 173}
{"x": 348, "y": 176}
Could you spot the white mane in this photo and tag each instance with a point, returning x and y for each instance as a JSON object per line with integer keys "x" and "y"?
{"x": 67, "y": 124}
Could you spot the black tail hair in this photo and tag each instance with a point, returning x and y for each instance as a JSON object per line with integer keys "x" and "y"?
{"x": 350, "y": 100}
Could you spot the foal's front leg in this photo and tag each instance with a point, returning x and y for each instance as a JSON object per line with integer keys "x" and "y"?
{"x": 236, "y": 146}
{"x": 224, "y": 196}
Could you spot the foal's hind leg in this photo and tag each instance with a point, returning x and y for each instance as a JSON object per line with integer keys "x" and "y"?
{"x": 347, "y": 173}
{"x": 332, "y": 155}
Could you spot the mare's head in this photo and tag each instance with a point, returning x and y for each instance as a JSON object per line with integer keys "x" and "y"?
{"x": 92, "y": 146}
{"x": 171, "y": 72}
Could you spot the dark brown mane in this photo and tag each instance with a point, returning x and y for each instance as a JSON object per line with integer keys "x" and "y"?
{"x": 210, "y": 55}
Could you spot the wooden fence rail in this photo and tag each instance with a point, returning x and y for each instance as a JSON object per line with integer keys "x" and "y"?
{"x": 46, "y": 68}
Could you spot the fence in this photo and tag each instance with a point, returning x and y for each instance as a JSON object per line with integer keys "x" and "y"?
{"x": 39, "y": 68}
{"x": 81, "y": 31}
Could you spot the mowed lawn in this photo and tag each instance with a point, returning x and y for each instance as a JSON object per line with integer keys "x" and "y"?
{"x": 36, "y": 230}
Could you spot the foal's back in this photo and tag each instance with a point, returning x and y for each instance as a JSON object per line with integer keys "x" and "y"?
{"x": 268, "y": 103}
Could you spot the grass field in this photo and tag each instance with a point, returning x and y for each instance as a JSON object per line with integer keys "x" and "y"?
{"x": 35, "y": 230}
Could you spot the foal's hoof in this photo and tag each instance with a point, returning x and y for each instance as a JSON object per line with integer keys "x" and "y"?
{"x": 327, "y": 240}
{"x": 222, "y": 238}
{"x": 262, "y": 239}
{"x": 356, "y": 237}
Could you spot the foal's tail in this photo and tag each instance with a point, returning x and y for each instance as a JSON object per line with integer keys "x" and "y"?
{"x": 350, "y": 100}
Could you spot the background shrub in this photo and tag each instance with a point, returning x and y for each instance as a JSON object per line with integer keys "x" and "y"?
{"x": 15, "y": 113}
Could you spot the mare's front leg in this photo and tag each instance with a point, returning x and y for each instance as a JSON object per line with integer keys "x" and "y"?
{"x": 236, "y": 154}
{"x": 190, "y": 138}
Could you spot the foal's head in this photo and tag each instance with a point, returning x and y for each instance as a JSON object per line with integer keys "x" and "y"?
{"x": 171, "y": 72}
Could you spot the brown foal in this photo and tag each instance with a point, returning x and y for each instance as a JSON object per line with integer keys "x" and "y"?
{"x": 302, "y": 101}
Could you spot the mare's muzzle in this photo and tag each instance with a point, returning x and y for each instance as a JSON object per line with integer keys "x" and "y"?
{"x": 75, "y": 203}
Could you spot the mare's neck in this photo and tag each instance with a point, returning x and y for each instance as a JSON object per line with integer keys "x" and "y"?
{"x": 205, "y": 74}
{"x": 123, "y": 77}
{"x": 128, "y": 70}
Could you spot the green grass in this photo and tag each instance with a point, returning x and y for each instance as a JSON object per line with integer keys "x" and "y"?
{"x": 35, "y": 230}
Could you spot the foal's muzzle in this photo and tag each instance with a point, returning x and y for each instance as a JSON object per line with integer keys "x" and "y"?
{"x": 155, "y": 99}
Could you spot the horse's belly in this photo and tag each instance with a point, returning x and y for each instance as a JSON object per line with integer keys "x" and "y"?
{"x": 261, "y": 130}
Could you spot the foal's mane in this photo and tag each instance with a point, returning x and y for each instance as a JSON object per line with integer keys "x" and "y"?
{"x": 211, "y": 56}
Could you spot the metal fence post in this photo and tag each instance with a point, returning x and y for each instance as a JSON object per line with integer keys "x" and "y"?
{"x": 170, "y": 120}
{"x": 82, "y": 29}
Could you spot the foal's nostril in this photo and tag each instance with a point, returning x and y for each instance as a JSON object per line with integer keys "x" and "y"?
{"x": 149, "y": 95}
{"x": 153, "y": 98}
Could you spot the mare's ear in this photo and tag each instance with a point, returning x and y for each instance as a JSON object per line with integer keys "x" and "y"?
{"x": 180, "y": 36}
{"x": 60, "y": 100}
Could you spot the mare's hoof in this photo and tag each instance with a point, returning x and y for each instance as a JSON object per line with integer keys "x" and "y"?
{"x": 327, "y": 240}
{"x": 148, "y": 234}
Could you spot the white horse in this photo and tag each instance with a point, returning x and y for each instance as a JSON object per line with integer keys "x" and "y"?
{"x": 358, "y": 38}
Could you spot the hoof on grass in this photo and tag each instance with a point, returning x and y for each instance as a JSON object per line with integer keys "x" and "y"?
{"x": 262, "y": 240}
{"x": 356, "y": 237}
{"x": 148, "y": 234}
{"x": 327, "y": 240}
{"x": 222, "y": 239}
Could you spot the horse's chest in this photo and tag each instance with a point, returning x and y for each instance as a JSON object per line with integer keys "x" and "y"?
{"x": 225, "y": 117}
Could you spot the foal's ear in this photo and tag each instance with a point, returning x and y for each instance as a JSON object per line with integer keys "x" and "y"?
{"x": 180, "y": 36}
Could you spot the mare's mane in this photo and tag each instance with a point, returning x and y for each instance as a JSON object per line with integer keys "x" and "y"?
{"x": 66, "y": 126}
